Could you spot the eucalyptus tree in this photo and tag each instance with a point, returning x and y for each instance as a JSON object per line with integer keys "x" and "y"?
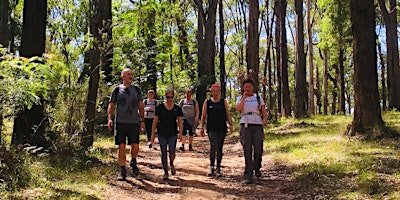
{"x": 252, "y": 44}
{"x": 99, "y": 25}
{"x": 300, "y": 92}
{"x": 4, "y": 15}
{"x": 367, "y": 120}
{"x": 284, "y": 104}
{"x": 392, "y": 46}
{"x": 311, "y": 104}
{"x": 222, "y": 78}
{"x": 30, "y": 123}
{"x": 206, "y": 20}
{"x": 335, "y": 38}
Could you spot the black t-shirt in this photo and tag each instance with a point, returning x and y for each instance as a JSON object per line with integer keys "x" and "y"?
{"x": 167, "y": 125}
{"x": 216, "y": 116}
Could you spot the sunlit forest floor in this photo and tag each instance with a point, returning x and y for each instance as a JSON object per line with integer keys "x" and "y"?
{"x": 303, "y": 159}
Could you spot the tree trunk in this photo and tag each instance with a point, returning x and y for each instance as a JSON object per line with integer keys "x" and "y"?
{"x": 206, "y": 47}
{"x": 325, "y": 82}
{"x": 286, "y": 106}
{"x": 278, "y": 30}
{"x": 97, "y": 57}
{"x": 367, "y": 119}
{"x": 383, "y": 78}
{"x": 301, "y": 98}
{"x": 311, "y": 105}
{"x": 342, "y": 89}
{"x": 393, "y": 68}
{"x": 222, "y": 69}
{"x": 151, "y": 56}
{"x": 30, "y": 124}
{"x": 4, "y": 15}
{"x": 109, "y": 51}
{"x": 252, "y": 45}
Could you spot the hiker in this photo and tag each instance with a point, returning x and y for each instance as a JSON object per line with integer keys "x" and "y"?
{"x": 216, "y": 111}
{"x": 128, "y": 120}
{"x": 168, "y": 121}
{"x": 150, "y": 105}
{"x": 253, "y": 118}
{"x": 190, "y": 109}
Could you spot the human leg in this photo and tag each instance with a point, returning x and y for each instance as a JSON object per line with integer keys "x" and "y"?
{"x": 258, "y": 139}
{"x": 219, "y": 149}
{"x": 120, "y": 140}
{"x": 163, "y": 147}
{"x": 247, "y": 144}
{"x": 212, "y": 137}
{"x": 172, "y": 153}
{"x": 148, "y": 124}
{"x": 133, "y": 140}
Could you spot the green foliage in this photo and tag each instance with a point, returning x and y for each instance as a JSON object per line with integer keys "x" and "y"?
{"x": 14, "y": 170}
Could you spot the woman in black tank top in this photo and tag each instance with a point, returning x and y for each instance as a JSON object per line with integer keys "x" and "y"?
{"x": 216, "y": 113}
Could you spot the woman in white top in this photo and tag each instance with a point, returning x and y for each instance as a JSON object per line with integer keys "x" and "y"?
{"x": 150, "y": 105}
{"x": 253, "y": 118}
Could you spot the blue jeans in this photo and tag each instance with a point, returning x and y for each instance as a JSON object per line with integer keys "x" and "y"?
{"x": 217, "y": 144}
{"x": 252, "y": 139}
{"x": 169, "y": 143}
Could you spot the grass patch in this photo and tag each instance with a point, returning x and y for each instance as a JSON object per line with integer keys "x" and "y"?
{"x": 327, "y": 164}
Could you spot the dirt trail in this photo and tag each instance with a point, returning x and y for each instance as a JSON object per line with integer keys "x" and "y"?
{"x": 191, "y": 182}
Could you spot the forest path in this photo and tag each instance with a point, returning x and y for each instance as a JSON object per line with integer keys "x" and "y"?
{"x": 191, "y": 182}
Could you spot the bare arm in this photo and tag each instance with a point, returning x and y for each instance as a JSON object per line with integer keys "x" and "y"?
{"x": 228, "y": 115}
{"x": 110, "y": 114}
{"x": 264, "y": 115}
{"x": 153, "y": 128}
{"x": 239, "y": 106}
{"x": 196, "y": 119}
{"x": 180, "y": 125}
{"x": 203, "y": 117}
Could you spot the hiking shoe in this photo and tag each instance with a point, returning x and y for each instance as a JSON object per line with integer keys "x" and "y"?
{"x": 248, "y": 180}
{"x": 165, "y": 177}
{"x": 211, "y": 172}
{"x": 218, "y": 172}
{"x": 191, "y": 148}
{"x": 150, "y": 145}
{"x": 257, "y": 173}
{"x": 173, "y": 170}
{"x": 122, "y": 175}
{"x": 182, "y": 148}
{"x": 135, "y": 169}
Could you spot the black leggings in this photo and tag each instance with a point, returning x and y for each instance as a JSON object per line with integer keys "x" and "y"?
{"x": 217, "y": 144}
{"x": 148, "y": 122}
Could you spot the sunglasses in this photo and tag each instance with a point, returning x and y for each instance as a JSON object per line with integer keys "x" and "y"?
{"x": 170, "y": 97}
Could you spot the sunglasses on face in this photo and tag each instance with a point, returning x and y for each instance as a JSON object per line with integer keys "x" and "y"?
{"x": 169, "y": 97}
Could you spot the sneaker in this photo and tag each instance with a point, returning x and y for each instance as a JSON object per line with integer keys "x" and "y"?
{"x": 122, "y": 175}
{"x": 211, "y": 172}
{"x": 150, "y": 145}
{"x": 218, "y": 172}
{"x": 165, "y": 177}
{"x": 191, "y": 148}
{"x": 257, "y": 173}
{"x": 182, "y": 148}
{"x": 173, "y": 170}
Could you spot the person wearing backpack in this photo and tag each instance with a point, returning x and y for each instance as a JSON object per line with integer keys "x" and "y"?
{"x": 150, "y": 105}
{"x": 253, "y": 118}
{"x": 216, "y": 113}
{"x": 127, "y": 102}
{"x": 190, "y": 109}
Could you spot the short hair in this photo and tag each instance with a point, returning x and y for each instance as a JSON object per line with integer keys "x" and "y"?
{"x": 248, "y": 81}
{"x": 169, "y": 91}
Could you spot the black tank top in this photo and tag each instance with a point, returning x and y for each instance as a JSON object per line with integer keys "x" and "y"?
{"x": 216, "y": 116}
